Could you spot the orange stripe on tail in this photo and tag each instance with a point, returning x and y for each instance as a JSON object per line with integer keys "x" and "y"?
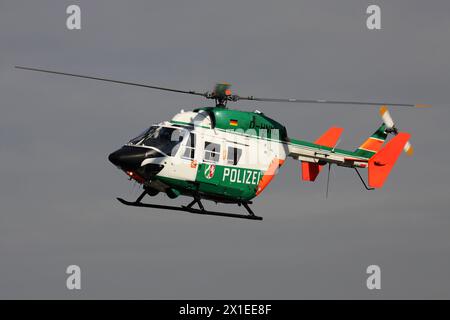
{"x": 372, "y": 144}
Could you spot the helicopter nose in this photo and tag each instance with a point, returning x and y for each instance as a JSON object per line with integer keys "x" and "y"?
{"x": 128, "y": 158}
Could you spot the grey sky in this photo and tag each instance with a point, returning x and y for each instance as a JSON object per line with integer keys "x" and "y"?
{"x": 57, "y": 189}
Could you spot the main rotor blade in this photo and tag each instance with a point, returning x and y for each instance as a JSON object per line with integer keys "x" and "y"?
{"x": 209, "y": 95}
{"x": 114, "y": 81}
{"x": 362, "y": 103}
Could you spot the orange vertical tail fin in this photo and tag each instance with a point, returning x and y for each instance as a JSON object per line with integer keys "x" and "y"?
{"x": 381, "y": 164}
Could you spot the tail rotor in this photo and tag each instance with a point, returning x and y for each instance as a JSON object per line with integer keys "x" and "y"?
{"x": 392, "y": 129}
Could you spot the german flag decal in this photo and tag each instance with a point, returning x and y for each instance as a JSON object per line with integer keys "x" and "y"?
{"x": 233, "y": 123}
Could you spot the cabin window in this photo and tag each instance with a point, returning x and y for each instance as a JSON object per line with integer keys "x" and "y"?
{"x": 189, "y": 149}
{"x": 233, "y": 155}
{"x": 212, "y": 152}
{"x": 163, "y": 139}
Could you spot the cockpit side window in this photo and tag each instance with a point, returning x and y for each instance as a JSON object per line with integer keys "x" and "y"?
{"x": 140, "y": 137}
{"x": 212, "y": 152}
{"x": 162, "y": 138}
{"x": 189, "y": 149}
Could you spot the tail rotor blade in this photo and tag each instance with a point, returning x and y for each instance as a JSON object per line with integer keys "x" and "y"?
{"x": 386, "y": 116}
{"x": 408, "y": 148}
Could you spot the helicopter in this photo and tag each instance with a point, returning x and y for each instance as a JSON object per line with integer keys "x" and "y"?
{"x": 230, "y": 156}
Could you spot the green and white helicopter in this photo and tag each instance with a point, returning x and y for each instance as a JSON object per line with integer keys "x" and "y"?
{"x": 230, "y": 156}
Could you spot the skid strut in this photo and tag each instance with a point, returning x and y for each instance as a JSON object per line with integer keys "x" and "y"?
{"x": 138, "y": 200}
{"x": 189, "y": 208}
{"x": 250, "y": 212}
{"x": 195, "y": 201}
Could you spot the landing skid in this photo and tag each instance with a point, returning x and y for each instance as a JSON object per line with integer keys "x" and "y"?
{"x": 188, "y": 208}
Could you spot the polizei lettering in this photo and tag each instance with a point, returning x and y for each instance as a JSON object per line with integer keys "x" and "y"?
{"x": 245, "y": 176}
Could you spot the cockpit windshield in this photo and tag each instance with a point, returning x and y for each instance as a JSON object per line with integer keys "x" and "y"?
{"x": 164, "y": 139}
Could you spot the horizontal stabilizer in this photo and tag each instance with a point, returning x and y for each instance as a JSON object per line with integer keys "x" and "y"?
{"x": 330, "y": 138}
{"x": 381, "y": 164}
{"x": 310, "y": 170}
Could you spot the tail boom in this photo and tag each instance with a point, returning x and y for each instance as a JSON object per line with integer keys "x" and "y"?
{"x": 375, "y": 154}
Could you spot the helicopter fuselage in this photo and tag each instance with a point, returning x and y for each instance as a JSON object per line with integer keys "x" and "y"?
{"x": 213, "y": 153}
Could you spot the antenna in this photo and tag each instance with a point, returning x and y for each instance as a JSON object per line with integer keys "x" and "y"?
{"x": 328, "y": 180}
